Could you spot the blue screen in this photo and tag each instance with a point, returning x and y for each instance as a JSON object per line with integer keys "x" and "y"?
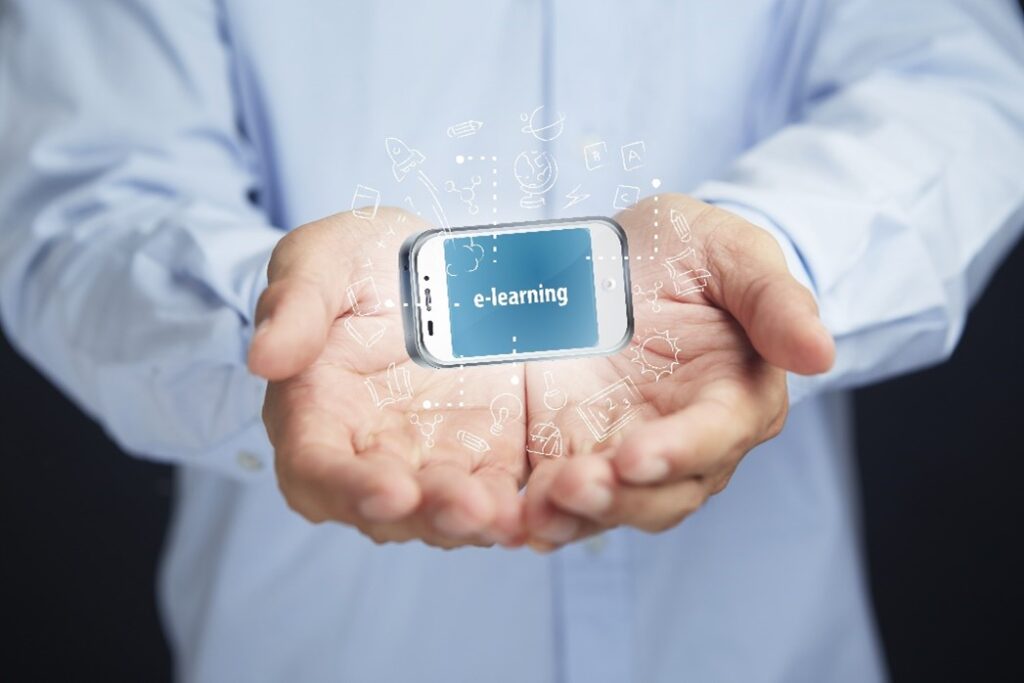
{"x": 521, "y": 292}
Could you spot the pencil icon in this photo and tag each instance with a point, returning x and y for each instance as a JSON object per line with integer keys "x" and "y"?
{"x": 472, "y": 441}
{"x": 680, "y": 225}
{"x": 464, "y": 129}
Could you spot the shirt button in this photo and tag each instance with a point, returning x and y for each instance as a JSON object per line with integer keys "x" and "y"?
{"x": 249, "y": 461}
{"x": 595, "y": 544}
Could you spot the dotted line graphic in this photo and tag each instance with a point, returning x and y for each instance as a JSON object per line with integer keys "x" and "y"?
{"x": 462, "y": 159}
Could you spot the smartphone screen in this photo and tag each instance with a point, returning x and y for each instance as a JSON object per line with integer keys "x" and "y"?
{"x": 516, "y": 292}
{"x": 521, "y": 292}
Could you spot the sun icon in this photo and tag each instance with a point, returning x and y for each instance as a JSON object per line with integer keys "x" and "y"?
{"x": 657, "y": 355}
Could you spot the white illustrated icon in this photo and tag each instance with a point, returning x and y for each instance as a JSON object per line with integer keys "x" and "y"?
{"x": 536, "y": 173}
{"x": 651, "y": 295}
{"x": 403, "y": 160}
{"x": 467, "y": 194}
{"x": 412, "y": 206}
{"x": 595, "y": 155}
{"x": 505, "y": 408}
{"x": 575, "y": 196}
{"x": 537, "y": 124}
{"x": 545, "y": 440}
{"x": 633, "y": 155}
{"x": 657, "y": 355}
{"x": 368, "y": 332}
{"x": 368, "y": 304}
{"x": 554, "y": 398}
{"x": 680, "y": 225}
{"x": 394, "y": 387}
{"x": 365, "y": 202}
{"x": 690, "y": 280}
{"x": 626, "y": 196}
{"x": 474, "y": 253}
{"x": 472, "y": 441}
{"x": 610, "y": 409}
{"x": 464, "y": 129}
{"x": 427, "y": 428}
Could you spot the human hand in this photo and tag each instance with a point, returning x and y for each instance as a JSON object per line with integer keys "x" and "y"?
{"x": 362, "y": 435}
{"x": 701, "y": 383}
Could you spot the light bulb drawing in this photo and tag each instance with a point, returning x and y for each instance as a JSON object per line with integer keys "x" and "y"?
{"x": 505, "y": 408}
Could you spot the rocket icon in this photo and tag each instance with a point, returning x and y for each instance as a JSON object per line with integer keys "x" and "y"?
{"x": 402, "y": 158}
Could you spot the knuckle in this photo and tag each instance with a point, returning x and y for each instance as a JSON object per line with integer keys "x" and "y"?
{"x": 300, "y": 505}
{"x": 721, "y": 483}
{"x": 664, "y": 522}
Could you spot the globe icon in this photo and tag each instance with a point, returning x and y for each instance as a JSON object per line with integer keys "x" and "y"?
{"x": 536, "y": 172}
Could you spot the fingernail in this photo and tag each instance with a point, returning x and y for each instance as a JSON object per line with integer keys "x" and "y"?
{"x": 560, "y": 529}
{"x": 377, "y": 507}
{"x": 592, "y": 499}
{"x": 647, "y": 470}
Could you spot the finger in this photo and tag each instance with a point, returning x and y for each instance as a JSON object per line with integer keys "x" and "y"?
{"x": 696, "y": 440}
{"x": 546, "y": 523}
{"x": 586, "y": 487}
{"x": 455, "y": 503}
{"x": 778, "y": 314}
{"x": 507, "y": 526}
{"x": 303, "y": 298}
{"x": 323, "y": 482}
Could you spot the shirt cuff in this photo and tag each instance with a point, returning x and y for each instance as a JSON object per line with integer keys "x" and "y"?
{"x": 247, "y": 455}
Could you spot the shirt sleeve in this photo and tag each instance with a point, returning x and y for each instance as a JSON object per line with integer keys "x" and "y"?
{"x": 131, "y": 256}
{"x": 897, "y": 186}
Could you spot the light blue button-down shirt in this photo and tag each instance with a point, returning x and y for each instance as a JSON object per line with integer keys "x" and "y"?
{"x": 151, "y": 153}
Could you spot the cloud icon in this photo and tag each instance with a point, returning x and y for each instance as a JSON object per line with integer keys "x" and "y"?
{"x": 466, "y": 258}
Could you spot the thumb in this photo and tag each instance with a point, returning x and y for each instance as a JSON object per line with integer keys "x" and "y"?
{"x": 302, "y": 299}
{"x": 779, "y": 315}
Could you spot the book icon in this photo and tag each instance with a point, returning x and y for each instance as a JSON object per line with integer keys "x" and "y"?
{"x": 686, "y": 280}
{"x": 395, "y": 386}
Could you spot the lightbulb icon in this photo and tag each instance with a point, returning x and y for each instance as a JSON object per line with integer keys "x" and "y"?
{"x": 505, "y": 408}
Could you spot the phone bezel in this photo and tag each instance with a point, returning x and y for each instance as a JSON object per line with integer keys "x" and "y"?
{"x": 614, "y": 307}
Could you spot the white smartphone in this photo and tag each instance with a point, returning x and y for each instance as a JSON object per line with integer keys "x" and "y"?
{"x": 516, "y": 292}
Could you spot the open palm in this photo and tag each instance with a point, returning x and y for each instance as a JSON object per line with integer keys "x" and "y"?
{"x": 365, "y": 436}
{"x": 649, "y": 433}
{"x": 642, "y": 437}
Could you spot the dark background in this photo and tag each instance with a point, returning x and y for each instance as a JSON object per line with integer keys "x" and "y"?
{"x": 940, "y": 457}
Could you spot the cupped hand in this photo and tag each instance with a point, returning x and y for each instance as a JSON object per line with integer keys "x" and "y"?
{"x": 362, "y": 435}
{"x": 647, "y": 435}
